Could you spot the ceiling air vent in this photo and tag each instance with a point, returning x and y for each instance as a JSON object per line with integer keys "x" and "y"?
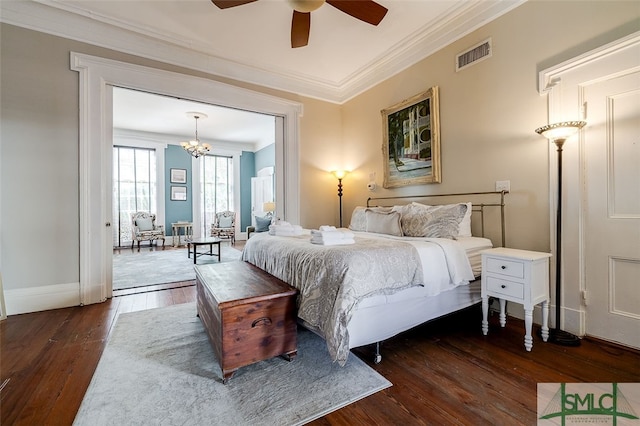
{"x": 473, "y": 55}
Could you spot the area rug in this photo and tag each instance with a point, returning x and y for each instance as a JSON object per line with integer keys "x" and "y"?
{"x": 139, "y": 269}
{"x": 159, "y": 368}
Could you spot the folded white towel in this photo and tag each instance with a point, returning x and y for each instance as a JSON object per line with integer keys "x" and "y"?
{"x": 285, "y": 231}
{"x": 341, "y": 242}
{"x": 335, "y": 234}
{"x": 282, "y": 224}
{"x": 319, "y": 240}
{"x": 327, "y": 228}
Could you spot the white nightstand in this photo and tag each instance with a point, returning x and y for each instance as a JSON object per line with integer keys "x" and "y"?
{"x": 519, "y": 276}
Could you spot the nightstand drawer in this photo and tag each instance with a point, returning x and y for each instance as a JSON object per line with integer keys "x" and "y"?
{"x": 504, "y": 287}
{"x": 505, "y": 267}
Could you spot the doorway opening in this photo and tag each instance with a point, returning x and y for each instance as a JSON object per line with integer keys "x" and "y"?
{"x": 148, "y": 158}
{"x": 97, "y": 77}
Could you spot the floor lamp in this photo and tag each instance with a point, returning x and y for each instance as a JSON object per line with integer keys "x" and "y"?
{"x": 558, "y": 133}
{"x": 340, "y": 174}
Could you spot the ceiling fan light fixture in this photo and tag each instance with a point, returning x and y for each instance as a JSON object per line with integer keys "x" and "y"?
{"x": 305, "y": 6}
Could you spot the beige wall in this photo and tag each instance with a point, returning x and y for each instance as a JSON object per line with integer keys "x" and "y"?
{"x": 39, "y": 201}
{"x": 488, "y": 114}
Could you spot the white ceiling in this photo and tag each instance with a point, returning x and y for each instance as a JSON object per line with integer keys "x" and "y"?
{"x": 251, "y": 43}
{"x": 141, "y": 112}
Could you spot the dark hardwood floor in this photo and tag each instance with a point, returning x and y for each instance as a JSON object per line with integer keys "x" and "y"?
{"x": 444, "y": 372}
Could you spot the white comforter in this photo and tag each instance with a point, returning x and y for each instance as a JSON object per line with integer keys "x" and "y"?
{"x": 332, "y": 280}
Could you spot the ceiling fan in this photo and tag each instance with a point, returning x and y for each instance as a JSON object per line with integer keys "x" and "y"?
{"x": 365, "y": 10}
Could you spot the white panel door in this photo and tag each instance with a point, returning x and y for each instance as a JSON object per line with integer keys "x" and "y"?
{"x": 612, "y": 217}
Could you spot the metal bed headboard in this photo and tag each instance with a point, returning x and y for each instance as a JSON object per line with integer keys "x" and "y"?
{"x": 476, "y": 207}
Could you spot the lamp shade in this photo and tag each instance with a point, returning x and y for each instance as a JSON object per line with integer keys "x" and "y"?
{"x": 560, "y": 130}
{"x": 339, "y": 174}
{"x": 269, "y": 206}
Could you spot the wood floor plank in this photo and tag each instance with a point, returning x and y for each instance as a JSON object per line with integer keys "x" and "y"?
{"x": 443, "y": 372}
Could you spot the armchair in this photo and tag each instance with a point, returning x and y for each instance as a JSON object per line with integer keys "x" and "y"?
{"x": 224, "y": 226}
{"x": 144, "y": 228}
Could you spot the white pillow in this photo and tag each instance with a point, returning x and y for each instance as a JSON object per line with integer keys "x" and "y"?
{"x": 464, "y": 229}
{"x": 144, "y": 224}
{"x": 382, "y": 222}
{"x": 358, "y": 219}
{"x": 225, "y": 222}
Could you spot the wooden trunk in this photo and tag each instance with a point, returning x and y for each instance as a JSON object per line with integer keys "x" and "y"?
{"x": 249, "y": 314}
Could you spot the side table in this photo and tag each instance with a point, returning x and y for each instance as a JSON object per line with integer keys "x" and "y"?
{"x": 520, "y": 276}
{"x": 187, "y": 231}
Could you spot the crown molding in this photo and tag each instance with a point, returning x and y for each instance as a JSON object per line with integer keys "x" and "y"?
{"x": 52, "y": 18}
{"x": 164, "y": 139}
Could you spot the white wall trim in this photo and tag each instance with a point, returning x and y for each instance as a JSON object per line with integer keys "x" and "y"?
{"x": 97, "y": 76}
{"x": 550, "y": 77}
{"x": 42, "y": 298}
{"x": 66, "y": 20}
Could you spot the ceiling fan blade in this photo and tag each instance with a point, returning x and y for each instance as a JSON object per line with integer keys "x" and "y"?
{"x": 225, "y": 4}
{"x": 300, "y": 26}
{"x": 365, "y": 10}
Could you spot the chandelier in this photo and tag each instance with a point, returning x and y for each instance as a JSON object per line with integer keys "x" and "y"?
{"x": 194, "y": 147}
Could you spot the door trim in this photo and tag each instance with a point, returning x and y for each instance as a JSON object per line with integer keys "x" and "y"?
{"x": 96, "y": 77}
{"x": 562, "y": 84}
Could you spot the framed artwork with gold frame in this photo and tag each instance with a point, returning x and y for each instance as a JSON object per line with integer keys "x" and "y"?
{"x": 411, "y": 141}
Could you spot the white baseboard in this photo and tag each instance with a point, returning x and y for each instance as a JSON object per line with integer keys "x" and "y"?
{"x": 573, "y": 319}
{"x": 34, "y": 299}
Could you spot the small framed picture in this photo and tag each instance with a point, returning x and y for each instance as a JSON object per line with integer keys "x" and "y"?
{"x": 178, "y": 176}
{"x": 178, "y": 193}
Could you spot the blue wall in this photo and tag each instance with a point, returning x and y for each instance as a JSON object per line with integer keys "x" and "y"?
{"x": 266, "y": 157}
{"x": 247, "y": 171}
{"x": 176, "y": 158}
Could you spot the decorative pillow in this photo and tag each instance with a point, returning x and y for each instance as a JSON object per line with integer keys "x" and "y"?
{"x": 419, "y": 220}
{"x": 445, "y": 221}
{"x": 358, "y": 219}
{"x": 225, "y": 222}
{"x": 464, "y": 228}
{"x": 414, "y": 218}
{"x": 144, "y": 224}
{"x": 383, "y": 222}
{"x": 262, "y": 223}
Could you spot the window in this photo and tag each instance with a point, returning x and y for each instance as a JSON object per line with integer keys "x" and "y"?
{"x": 134, "y": 188}
{"x": 216, "y": 188}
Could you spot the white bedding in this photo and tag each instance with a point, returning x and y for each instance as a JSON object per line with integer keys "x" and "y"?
{"x": 473, "y": 246}
{"x": 334, "y": 280}
{"x": 445, "y": 260}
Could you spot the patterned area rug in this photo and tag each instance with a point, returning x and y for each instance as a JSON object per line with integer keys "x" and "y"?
{"x": 146, "y": 268}
{"x": 159, "y": 368}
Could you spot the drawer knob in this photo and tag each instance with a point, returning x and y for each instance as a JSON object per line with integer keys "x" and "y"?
{"x": 503, "y": 267}
{"x": 503, "y": 286}
{"x": 263, "y": 320}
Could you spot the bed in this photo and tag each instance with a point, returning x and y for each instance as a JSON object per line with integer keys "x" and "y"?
{"x": 413, "y": 259}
